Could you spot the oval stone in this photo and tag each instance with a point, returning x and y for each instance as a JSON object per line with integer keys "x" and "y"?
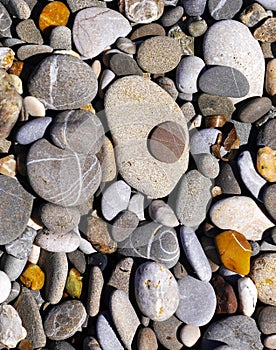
{"x": 156, "y": 291}
{"x": 143, "y": 11}
{"x": 63, "y": 82}
{"x": 134, "y": 106}
{"x": 61, "y": 176}
{"x": 187, "y": 73}
{"x": 64, "y": 320}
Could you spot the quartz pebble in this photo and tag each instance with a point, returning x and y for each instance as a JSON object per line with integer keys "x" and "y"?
{"x": 189, "y": 335}
{"x": 197, "y": 27}
{"x": 143, "y": 11}
{"x": 5, "y": 286}
{"x": 161, "y": 212}
{"x": 248, "y": 295}
{"x": 250, "y": 221}
{"x": 156, "y": 291}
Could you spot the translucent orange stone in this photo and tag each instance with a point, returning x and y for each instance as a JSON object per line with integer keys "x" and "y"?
{"x": 266, "y": 163}
{"x": 56, "y": 13}
{"x": 33, "y": 277}
{"x": 74, "y": 283}
{"x": 234, "y": 251}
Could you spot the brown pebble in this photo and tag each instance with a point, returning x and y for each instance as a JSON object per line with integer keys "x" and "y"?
{"x": 226, "y": 298}
{"x": 270, "y": 78}
{"x": 167, "y": 142}
{"x": 147, "y": 339}
{"x": 151, "y": 29}
{"x": 267, "y": 31}
{"x": 215, "y": 121}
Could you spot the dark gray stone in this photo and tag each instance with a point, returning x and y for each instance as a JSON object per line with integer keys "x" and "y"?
{"x": 220, "y": 9}
{"x": 63, "y": 82}
{"x": 33, "y": 130}
{"x": 269, "y": 198}
{"x": 60, "y": 345}
{"x": 238, "y": 331}
{"x": 227, "y": 180}
{"x": 77, "y": 259}
{"x": 124, "y": 225}
{"x": 122, "y": 64}
{"x": 267, "y": 134}
{"x": 15, "y": 209}
{"x": 194, "y": 7}
{"x": 224, "y": 81}
{"x": 61, "y": 176}
{"x": 28, "y": 32}
{"x": 5, "y": 23}
{"x": 171, "y": 16}
{"x": 215, "y": 105}
{"x": 255, "y": 109}
{"x": 17, "y": 8}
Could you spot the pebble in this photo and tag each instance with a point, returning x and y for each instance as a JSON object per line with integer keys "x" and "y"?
{"x": 195, "y": 254}
{"x": 106, "y": 334}
{"x": 239, "y": 50}
{"x": 167, "y": 142}
{"x": 73, "y": 285}
{"x": 202, "y": 140}
{"x": 8, "y": 166}
{"x": 194, "y": 8}
{"x": 156, "y": 291}
{"x": 193, "y": 198}
{"x": 188, "y": 111}
{"x": 168, "y": 85}
{"x": 54, "y": 14}
{"x": 28, "y": 32}
{"x": 33, "y": 130}
{"x": 27, "y": 51}
{"x": 60, "y": 345}
{"x": 18, "y": 8}
{"x": 226, "y": 298}
{"x": 166, "y": 333}
{"x": 5, "y": 22}
{"x": 77, "y": 259}
{"x": 269, "y": 198}
{"x": 121, "y": 64}
{"x": 60, "y": 38}
{"x": 270, "y": 85}
{"x": 255, "y": 109}
{"x": 55, "y": 267}
{"x": 106, "y": 78}
{"x": 263, "y": 275}
{"x": 32, "y": 106}
{"x": 270, "y": 342}
{"x": 57, "y": 242}
{"x": 11, "y": 329}
{"x": 15, "y": 291}
{"x": 266, "y": 32}
{"x": 124, "y": 316}
{"x": 152, "y": 241}
{"x": 12, "y": 266}
{"x": 243, "y": 130}
{"x": 115, "y": 199}
{"x": 137, "y": 205}
{"x": 268, "y": 4}
{"x": 126, "y": 45}
{"x": 90, "y": 343}
{"x": 266, "y": 163}
{"x": 146, "y": 339}
{"x": 248, "y": 295}
{"x": 5, "y": 286}
{"x": 120, "y": 277}
{"x": 21, "y": 247}
{"x": 266, "y": 135}
{"x": 207, "y": 165}
{"x": 92, "y": 21}
{"x": 70, "y": 181}
{"x": 14, "y": 198}
{"x": 136, "y": 165}
{"x": 159, "y": 54}
{"x": 106, "y": 158}
{"x": 125, "y": 223}
{"x": 6, "y": 57}
{"x": 76, "y": 5}
{"x": 224, "y": 81}
{"x": 162, "y": 213}
{"x": 143, "y": 12}
{"x": 152, "y": 29}
{"x": 97, "y": 233}
{"x": 210, "y": 105}
{"x": 187, "y": 73}
{"x": 251, "y": 222}
{"x": 95, "y": 287}
{"x": 220, "y": 9}
{"x": 197, "y": 27}
{"x": 28, "y": 310}
{"x": 195, "y": 295}
{"x": 239, "y": 332}
{"x": 10, "y": 104}
{"x": 252, "y": 180}
{"x": 74, "y": 82}
{"x": 253, "y": 14}
{"x": 267, "y": 320}
{"x": 80, "y": 131}
{"x": 172, "y": 16}
{"x": 59, "y": 219}
{"x": 64, "y": 320}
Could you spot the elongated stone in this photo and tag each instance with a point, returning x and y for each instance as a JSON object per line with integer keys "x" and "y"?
{"x": 266, "y": 163}
{"x": 248, "y": 296}
{"x": 107, "y": 337}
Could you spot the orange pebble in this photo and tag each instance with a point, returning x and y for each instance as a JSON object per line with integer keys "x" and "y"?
{"x": 266, "y": 163}
{"x": 16, "y": 68}
{"x": 234, "y": 251}
{"x": 33, "y": 277}
{"x": 56, "y": 13}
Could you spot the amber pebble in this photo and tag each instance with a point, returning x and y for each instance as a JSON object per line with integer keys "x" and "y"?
{"x": 89, "y": 108}
{"x": 33, "y": 277}
{"x": 266, "y": 163}
{"x": 54, "y": 14}
{"x": 267, "y": 31}
{"x": 8, "y": 166}
{"x": 234, "y": 251}
{"x": 74, "y": 283}
{"x": 25, "y": 344}
{"x": 167, "y": 142}
{"x": 215, "y": 121}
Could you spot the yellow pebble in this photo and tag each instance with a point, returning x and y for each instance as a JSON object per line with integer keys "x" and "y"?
{"x": 74, "y": 283}
{"x": 234, "y": 251}
{"x": 89, "y": 108}
{"x": 33, "y": 277}
{"x": 266, "y": 163}
{"x": 8, "y": 166}
{"x": 54, "y": 14}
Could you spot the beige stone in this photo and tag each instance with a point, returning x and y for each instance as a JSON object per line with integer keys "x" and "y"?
{"x": 270, "y": 78}
{"x": 107, "y": 160}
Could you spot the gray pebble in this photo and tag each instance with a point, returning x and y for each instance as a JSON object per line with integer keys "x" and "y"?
{"x": 124, "y": 225}
{"x": 220, "y": 9}
{"x": 76, "y": 5}
{"x": 201, "y": 141}
{"x": 195, "y": 254}
{"x": 75, "y": 83}
{"x": 197, "y": 27}
{"x": 172, "y": 16}
{"x": 243, "y": 131}
{"x": 60, "y": 345}
{"x": 269, "y": 198}
{"x": 58, "y": 242}
{"x": 124, "y": 317}
{"x": 126, "y": 45}
{"x": 255, "y": 248}
{"x": 194, "y": 7}
{"x": 187, "y": 73}
{"x": 5, "y": 23}
{"x": 268, "y": 4}
{"x": 106, "y": 334}
{"x": 15, "y": 291}
{"x": 21, "y": 247}
{"x": 27, "y": 51}
{"x": 55, "y": 267}
{"x": 33, "y": 130}
{"x": 188, "y": 111}
{"x": 95, "y": 287}
{"x": 167, "y": 333}
{"x": 60, "y": 38}
{"x": 207, "y": 164}
{"x": 267, "y": 134}
{"x": 122, "y": 64}
{"x": 239, "y": 332}
{"x": 12, "y": 266}
{"x": 267, "y": 247}
{"x": 28, "y": 32}
{"x": 77, "y": 259}
{"x": 137, "y": 205}
{"x": 267, "y": 320}
{"x": 195, "y": 295}
{"x": 255, "y": 109}
{"x": 17, "y": 8}
{"x": 193, "y": 198}
{"x": 162, "y": 213}
{"x": 120, "y": 277}
{"x": 215, "y": 105}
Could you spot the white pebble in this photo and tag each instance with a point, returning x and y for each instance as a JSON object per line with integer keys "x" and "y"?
{"x": 33, "y": 107}
{"x": 248, "y": 295}
{"x": 5, "y": 289}
{"x": 34, "y": 255}
{"x": 189, "y": 335}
